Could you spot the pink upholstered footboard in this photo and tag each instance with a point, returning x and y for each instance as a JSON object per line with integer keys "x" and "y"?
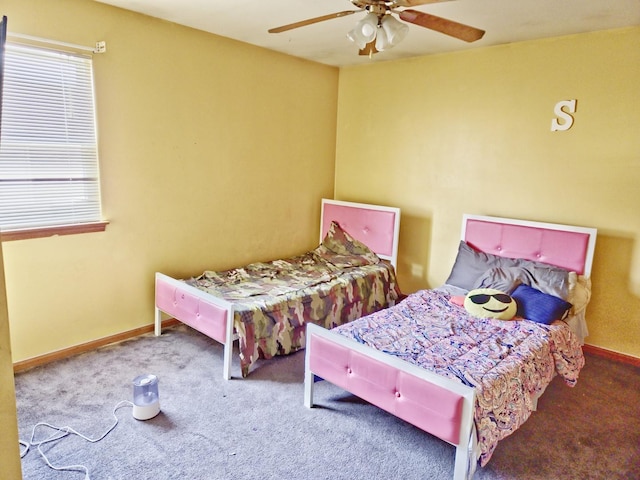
{"x": 432, "y": 403}
{"x": 197, "y": 311}
{"x": 206, "y": 313}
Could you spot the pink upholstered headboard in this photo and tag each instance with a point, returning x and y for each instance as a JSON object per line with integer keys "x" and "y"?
{"x": 565, "y": 246}
{"x": 376, "y": 226}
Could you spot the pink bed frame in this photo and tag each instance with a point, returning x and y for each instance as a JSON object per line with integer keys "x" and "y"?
{"x": 376, "y": 226}
{"x": 435, "y": 404}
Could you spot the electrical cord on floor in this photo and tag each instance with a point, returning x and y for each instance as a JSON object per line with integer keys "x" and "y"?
{"x": 61, "y": 432}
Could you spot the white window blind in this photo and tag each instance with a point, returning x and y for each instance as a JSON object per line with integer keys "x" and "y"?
{"x": 48, "y": 150}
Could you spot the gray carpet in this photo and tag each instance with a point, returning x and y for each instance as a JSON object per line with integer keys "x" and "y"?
{"x": 258, "y": 428}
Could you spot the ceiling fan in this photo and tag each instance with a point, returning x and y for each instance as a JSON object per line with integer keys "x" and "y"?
{"x": 379, "y": 30}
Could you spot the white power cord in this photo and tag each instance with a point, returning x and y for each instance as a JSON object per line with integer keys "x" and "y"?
{"x": 61, "y": 432}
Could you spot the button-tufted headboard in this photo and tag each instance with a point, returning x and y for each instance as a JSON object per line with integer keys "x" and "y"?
{"x": 376, "y": 226}
{"x": 565, "y": 246}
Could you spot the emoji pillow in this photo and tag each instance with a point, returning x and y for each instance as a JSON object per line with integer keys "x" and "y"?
{"x": 489, "y": 302}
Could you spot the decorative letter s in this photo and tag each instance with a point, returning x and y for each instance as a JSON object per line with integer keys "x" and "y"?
{"x": 567, "y": 119}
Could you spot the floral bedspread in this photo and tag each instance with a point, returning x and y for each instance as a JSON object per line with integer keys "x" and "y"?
{"x": 509, "y": 363}
{"x": 274, "y": 300}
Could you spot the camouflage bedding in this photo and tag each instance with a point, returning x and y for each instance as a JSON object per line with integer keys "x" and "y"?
{"x": 273, "y": 301}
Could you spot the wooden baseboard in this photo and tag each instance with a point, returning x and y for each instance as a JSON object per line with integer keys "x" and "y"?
{"x": 87, "y": 347}
{"x": 611, "y": 355}
{"x": 119, "y": 337}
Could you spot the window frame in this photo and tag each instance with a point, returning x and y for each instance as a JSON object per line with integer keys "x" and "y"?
{"x": 27, "y": 233}
{"x": 97, "y": 224}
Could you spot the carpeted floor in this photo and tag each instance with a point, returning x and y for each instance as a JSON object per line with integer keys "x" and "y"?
{"x": 258, "y": 428}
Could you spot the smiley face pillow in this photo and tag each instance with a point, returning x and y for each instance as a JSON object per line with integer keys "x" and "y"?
{"x": 489, "y": 302}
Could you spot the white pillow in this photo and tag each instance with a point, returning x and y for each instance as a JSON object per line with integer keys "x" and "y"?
{"x": 579, "y": 292}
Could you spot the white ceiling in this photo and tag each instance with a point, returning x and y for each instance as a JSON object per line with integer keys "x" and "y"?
{"x": 505, "y": 21}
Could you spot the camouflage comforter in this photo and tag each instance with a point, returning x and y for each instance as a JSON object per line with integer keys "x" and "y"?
{"x": 274, "y": 300}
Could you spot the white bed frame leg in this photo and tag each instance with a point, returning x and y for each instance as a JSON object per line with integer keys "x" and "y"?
{"x": 308, "y": 374}
{"x": 228, "y": 353}
{"x": 460, "y": 471}
{"x": 467, "y": 457}
{"x": 308, "y": 389}
{"x": 158, "y": 324}
{"x": 228, "y": 347}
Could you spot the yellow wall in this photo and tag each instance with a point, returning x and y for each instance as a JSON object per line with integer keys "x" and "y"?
{"x": 213, "y": 153}
{"x": 9, "y": 446}
{"x": 469, "y": 132}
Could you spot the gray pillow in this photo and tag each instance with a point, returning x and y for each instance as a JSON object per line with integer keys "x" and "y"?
{"x": 471, "y": 264}
{"x": 547, "y": 278}
{"x": 473, "y": 269}
{"x": 505, "y": 279}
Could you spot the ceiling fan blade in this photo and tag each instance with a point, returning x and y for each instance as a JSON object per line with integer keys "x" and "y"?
{"x": 442, "y": 25}
{"x": 311, "y": 21}
{"x": 413, "y": 3}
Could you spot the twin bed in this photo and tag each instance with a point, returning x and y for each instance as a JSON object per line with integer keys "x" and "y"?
{"x": 267, "y": 305}
{"x": 467, "y": 380}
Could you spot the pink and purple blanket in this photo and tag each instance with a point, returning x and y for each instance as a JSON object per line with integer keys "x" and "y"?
{"x": 509, "y": 363}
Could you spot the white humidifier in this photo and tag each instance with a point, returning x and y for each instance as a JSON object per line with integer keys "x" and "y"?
{"x": 146, "y": 400}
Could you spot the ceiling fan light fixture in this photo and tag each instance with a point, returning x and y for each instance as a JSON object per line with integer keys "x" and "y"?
{"x": 364, "y": 31}
{"x": 382, "y": 42}
{"x": 394, "y": 30}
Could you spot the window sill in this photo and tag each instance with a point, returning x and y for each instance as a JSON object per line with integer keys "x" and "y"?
{"x": 51, "y": 231}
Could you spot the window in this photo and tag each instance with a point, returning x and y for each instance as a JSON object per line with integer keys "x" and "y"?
{"x": 49, "y": 179}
